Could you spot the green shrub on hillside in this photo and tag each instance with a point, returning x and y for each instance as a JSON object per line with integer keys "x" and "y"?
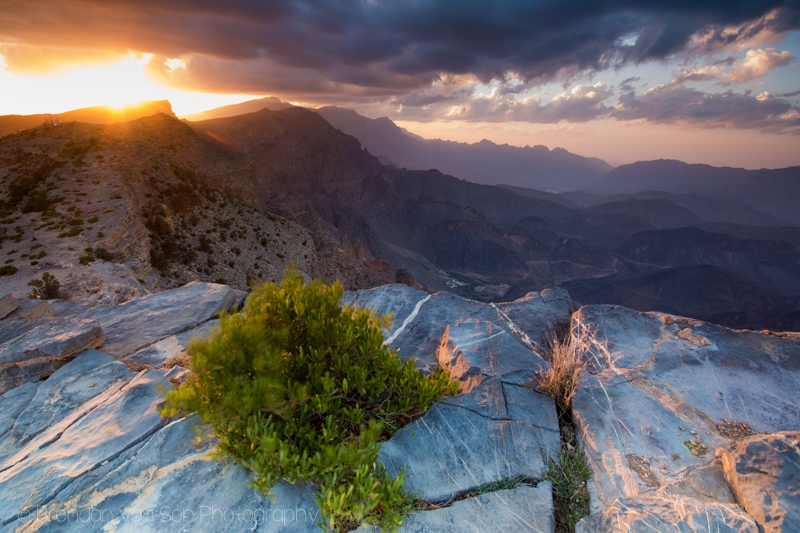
{"x": 298, "y": 388}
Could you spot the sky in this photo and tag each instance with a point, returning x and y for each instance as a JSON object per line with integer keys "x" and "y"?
{"x": 715, "y": 81}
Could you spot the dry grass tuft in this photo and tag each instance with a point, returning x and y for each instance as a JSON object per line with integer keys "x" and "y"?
{"x": 560, "y": 381}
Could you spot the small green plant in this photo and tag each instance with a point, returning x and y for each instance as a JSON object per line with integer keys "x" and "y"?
{"x": 7, "y": 270}
{"x": 298, "y": 388}
{"x": 569, "y": 475}
{"x": 47, "y": 288}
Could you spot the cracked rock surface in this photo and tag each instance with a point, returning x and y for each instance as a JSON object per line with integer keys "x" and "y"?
{"x": 83, "y": 448}
{"x": 664, "y": 400}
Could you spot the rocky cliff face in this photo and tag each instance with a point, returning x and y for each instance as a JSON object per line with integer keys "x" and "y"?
{"x": 687, "y": 426}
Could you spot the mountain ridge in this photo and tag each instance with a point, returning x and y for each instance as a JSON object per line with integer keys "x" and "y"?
{"x": 240, "y": 198}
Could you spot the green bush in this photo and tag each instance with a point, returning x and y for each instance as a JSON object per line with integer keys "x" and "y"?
{"x": 47, "y": 288}
{"x": 298, "y": 388}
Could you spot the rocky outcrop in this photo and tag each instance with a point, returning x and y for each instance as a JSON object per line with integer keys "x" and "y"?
{"x": 86, "y": 450}
{"x": 687, "y": 426}
{"x": 666, "y": 403}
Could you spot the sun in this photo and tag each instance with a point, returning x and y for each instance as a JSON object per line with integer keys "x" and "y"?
{"x": 118, "y": 85}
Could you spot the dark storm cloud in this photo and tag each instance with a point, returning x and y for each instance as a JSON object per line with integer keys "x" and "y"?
{"x": 675, "y": 103}
{"x": 384, "y": 46}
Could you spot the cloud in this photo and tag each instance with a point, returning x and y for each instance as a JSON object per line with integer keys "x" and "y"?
{"x": 757, "y": 63}
{"x": 383, "y": 48}
{"x": 674, "y": 103}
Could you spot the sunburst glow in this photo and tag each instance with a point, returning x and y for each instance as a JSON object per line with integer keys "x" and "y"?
{"x": 116, "y": 85}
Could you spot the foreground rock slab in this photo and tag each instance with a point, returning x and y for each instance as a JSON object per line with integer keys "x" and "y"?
{"x": 663, "y": 398}
{"x": 523, "y": 509}
{"x": 98, "y": 431}
{"x": 85, "y": 449}
{"x": 496, "y": 432}
{"x": 34, "y": 349}
{"x": 141, "y": 322}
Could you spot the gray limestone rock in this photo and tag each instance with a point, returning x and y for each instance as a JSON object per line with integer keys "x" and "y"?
{"x": 654, "y": 514}
{"x": 764, "y": 472}
{"x": 141, "y": 322}
{"x": 12, "y": 403}
{"x": 472, "y": 349}
{"x": 75, "y": 383}
{"x": 661, "y": 394}
{"x": 86, "y": 449}
{"x": 472, "y": 440}
{"x": 523, "y": 509}
{"x": 169, "y": 483}
{"x": 421, "y": 319}
{"x": 41, "y": 347}
{"x": 171, "y": 347}
{"x": 97, "y": 431}
{"x": 32, "y": 310}
{"x": 538, "y": 314}
{"x": 398, "y": 300}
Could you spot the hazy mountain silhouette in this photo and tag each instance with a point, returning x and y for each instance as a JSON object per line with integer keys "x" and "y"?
{"x": 483, "y": 162}
{"x": 251, "y": 106}
{"x": 92, "y": 115}
{"x": 772, "y": 191}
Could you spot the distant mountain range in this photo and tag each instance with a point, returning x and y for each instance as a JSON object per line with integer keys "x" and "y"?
{"x": 688, "y": 248}
{"x": 92, "y": 115}
{"x": 535, "y": 167}
{"x": 250, "y": 106}
{"x": 772, "y": 191}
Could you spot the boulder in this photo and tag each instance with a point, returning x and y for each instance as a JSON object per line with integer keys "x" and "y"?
{"x": 421, "y": 321}
{"x": 764, "y": 472}
{"x": 472, "y": 350}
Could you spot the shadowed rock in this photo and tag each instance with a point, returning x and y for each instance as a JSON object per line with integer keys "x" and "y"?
{"x": 7, "y": 305}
